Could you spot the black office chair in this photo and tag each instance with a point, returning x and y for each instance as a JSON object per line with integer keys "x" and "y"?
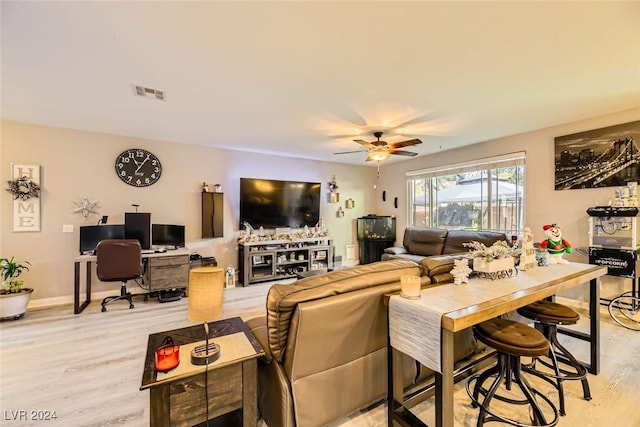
{"x": 118, "y": 260}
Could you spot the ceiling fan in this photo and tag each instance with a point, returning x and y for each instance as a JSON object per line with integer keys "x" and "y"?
{"x": 380, "y": 150}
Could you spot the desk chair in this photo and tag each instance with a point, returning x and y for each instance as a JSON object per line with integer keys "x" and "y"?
{"x": 118, "y": 261}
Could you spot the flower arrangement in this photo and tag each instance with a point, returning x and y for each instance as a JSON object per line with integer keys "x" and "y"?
{"x": 499, "y": 249}
{"x": 23, "y": 188}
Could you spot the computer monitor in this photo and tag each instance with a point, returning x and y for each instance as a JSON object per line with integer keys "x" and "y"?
{"x": 92, "y": 234}
{"x": 167, "y": 235}
{"x": 137, "y": 225}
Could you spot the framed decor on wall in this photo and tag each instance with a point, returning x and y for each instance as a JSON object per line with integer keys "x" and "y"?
{"x": 25, "y": 189}
{"x": 605, "y": 157}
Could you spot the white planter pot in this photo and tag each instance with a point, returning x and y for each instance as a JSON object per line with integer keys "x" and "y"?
{"x": 495, "y": 269}
{"x": 13, "y": 306}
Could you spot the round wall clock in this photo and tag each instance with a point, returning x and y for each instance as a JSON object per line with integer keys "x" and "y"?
{"x": 138, "y": 167}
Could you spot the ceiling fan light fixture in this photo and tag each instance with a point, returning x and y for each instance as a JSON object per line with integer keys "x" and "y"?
{"x": 378, "y": 156}
{"x": 379, "y": 150}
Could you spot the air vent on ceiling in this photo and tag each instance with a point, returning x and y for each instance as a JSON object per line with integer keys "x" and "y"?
{"x": 147, "y": 92}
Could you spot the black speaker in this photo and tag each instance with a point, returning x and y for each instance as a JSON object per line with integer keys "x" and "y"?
{"x": 137, "y": 225}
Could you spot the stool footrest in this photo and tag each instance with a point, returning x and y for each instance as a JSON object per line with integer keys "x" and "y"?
{"x": 493, "y": 416}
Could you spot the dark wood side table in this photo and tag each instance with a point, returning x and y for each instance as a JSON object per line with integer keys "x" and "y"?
{"x": 179, "y": 399}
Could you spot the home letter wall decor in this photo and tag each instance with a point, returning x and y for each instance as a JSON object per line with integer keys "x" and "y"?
{"x": 25, "y": 188}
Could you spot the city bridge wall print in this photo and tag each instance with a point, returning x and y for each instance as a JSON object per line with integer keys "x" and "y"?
{"x": 606, "y": 157}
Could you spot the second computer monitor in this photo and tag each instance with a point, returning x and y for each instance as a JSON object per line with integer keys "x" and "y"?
{"x": 137, "y": 225}
{"x": 169, "y": 236}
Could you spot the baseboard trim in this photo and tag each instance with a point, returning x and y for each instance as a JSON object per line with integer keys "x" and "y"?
{"x": 68, "y": 299}
{"x": 573, "y": 302}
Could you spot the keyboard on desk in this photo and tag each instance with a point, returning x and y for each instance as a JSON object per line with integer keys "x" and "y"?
{"x": 148, "y": 251}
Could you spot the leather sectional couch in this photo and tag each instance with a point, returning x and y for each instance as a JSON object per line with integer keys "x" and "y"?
{"x": 325, "y": 339}
{"x": 435, "y": 249}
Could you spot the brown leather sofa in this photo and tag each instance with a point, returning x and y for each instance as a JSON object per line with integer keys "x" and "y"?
{"x": 325, "y": 339}
{"x": 435, "y": 249}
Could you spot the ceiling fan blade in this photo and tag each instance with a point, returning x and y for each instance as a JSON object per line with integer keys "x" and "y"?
{"x": 361, "y": 142}
{"x": 406, "y": 143}
{"x": 349, "y": 152}
{"x": 403, "y": 153}
{"x": 411, "y": 120}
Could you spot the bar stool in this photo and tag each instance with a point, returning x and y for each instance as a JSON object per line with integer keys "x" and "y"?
{"x": 511, "y": 340}
{"x": 548, "y": 316}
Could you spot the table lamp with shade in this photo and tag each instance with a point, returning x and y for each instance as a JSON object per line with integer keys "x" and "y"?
{"x": 206, "y": 286}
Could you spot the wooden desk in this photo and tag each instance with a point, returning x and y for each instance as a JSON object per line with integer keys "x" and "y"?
{"x": 536, "y": 285}
{"x": 232, "y": 384}
{"x": 89, "y": 260}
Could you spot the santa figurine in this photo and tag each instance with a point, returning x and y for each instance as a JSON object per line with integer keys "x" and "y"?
{"x": 555, "y": 245}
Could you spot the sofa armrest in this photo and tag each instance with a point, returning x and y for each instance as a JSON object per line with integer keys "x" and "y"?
{"x": 442, "y": 278}
{"x": 438, "y": 265}
{"x": 274, "y": 393}
{"x": 396, "y": 250}
{"x": 258, "y": 327}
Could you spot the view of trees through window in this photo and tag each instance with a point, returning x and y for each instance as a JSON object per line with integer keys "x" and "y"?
{"x": 476, "y": 199}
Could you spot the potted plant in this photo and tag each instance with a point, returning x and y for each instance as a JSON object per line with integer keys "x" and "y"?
{"x": 13, "y": 297}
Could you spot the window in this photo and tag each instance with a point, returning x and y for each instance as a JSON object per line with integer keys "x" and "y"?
{"x": 486, "y": 194}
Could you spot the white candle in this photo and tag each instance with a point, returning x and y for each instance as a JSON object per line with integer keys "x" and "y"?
{"x": 410, "y": 287}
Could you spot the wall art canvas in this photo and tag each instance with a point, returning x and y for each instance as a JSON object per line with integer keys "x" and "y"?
{"x": 605, "y": 157}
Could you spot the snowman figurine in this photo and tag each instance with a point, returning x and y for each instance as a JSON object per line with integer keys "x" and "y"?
{"x": 555, "y": 245}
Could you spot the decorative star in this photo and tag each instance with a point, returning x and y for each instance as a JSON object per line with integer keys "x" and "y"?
{"x": 85, "y": 207}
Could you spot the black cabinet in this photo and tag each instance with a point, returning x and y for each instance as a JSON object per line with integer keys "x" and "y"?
{"x": 375, "y": 234}
{"x": 212, "y": 215}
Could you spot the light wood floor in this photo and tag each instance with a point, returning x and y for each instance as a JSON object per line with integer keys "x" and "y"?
{"x": 88, "y": 367}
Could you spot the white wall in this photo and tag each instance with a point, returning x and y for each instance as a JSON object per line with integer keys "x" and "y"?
{"x": 75, "y": 164}
{"x": 544, "y": 205}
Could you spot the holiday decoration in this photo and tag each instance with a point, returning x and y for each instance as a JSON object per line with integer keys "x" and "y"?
{"x": 85, "y": 207}
{"x": 333, "y": 185}
{"x": 542, "y": 257}
{"x": 23, "y": 188}
{"x": 461, "y": 271}
{"x": 494, "y": 262}
{"x": 555, "y": 245}
{"x": 528, "y": 255}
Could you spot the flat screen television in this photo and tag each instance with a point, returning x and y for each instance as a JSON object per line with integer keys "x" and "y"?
{"x": 90, "y": 235}
{"x": 271, "y": 203}
{"x": 137, "y": 225}
{"x": 167, "y": 235}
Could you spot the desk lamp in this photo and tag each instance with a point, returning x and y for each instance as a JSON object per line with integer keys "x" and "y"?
{"x": 205, "y": 303}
